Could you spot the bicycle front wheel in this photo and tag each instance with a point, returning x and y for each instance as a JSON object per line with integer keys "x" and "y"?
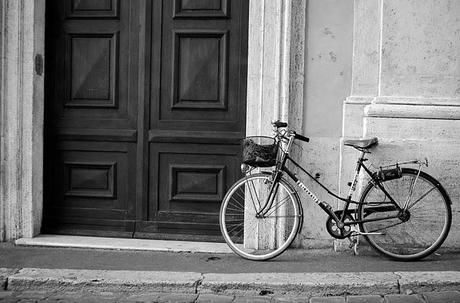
{"x": 416, "y": 232}
{"x": 256, "y": 226}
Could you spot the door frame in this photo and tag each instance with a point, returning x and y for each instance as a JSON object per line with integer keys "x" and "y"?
{"x": 275, "y": 90}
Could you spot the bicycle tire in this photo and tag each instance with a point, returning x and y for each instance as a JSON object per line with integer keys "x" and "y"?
{"x": 255, "y": 238}
{"x": 428, "y": 222}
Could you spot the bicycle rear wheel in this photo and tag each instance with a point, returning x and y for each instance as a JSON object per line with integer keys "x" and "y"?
{"x": 415, "y": 233}
{"x": 263, "y": 236}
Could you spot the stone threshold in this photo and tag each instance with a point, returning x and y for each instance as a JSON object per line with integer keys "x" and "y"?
{"x": 123, "y": 244}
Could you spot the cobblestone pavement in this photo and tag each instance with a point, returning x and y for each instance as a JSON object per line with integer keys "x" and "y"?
{"x": 37, "y": 296}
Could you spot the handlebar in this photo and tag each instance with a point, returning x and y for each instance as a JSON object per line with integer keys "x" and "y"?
{"x": 301, "y": 138}
{"x": 278, "y": 124}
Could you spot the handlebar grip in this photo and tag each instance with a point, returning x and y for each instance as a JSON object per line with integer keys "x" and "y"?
{"x": 279, "y": 124}
{"x": 301, "y": 138}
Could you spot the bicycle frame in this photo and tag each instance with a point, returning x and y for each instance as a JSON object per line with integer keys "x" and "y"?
{"x": 281, "y": 167}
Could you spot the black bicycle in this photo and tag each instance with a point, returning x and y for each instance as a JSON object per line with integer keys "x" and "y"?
{"x": 403, "y": 212}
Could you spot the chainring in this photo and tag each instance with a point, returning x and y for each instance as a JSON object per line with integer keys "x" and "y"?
{"x": 335, "y": 231}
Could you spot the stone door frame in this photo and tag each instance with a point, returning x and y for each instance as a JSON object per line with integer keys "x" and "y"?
{"x": 276, "y": 51}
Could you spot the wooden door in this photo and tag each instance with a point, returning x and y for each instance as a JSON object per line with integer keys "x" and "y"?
{"x": 145, "y": 110}
{"x": 91, "y": 117}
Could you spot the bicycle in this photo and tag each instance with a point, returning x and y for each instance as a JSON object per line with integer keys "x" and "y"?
{"x": 403, "y": 212}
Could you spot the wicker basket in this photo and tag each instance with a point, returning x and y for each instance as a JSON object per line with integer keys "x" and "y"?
{"x": 259, "y": 151}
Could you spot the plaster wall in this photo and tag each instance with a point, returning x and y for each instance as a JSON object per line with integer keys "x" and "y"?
{"x": 328, "y": 62}
{"x": 406, "y": 88}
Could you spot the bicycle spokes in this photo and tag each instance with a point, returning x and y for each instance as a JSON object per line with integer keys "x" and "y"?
{"x": 414, "y": 231}
{"x": 259, "y": 223}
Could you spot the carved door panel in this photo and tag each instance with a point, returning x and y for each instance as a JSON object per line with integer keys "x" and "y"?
{"x": 145, "y": 109}
{"x": 91, "y": 116}
{"x": 197, "y": 114}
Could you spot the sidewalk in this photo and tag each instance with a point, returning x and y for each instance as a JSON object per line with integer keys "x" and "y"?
{"x": 297, "y": 276}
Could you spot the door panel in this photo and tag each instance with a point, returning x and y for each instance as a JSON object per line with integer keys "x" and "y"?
{"x": 202, "y": 71}
{"x": 192, "y": 180}
{"x": 90, "y": 114}
{"x": 201, "y": 8}
{"x": 92, "y": 8}
{"x": 197, "y": 115}
{"x": 145, "y": 109}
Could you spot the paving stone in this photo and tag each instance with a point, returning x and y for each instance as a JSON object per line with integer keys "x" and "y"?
{"x": 37, "y": 295}
{"x": 327, "y": 300}
{"x": 177, "y": 298}
{"x": 403, "y": 299}
{"x": 424, "y": 282}
{"x": 205, "y": 298}
{"x": 9, "y": 300}
{"x": 289, "y": 299}
{"x": 4, "y": 274}
{"x": 144, "y": 297}
{"x": 250, "y": 299}
{"x": 364, "y": 299}
{"x": 442, "y": 297}
{"x": 5, "y": 294}
{"x": 69, "y": 295}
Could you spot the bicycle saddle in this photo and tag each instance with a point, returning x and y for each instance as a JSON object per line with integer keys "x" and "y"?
{"x": 362, "y": 144}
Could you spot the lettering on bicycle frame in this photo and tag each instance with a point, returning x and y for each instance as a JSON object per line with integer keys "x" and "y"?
{"x": 302, "y": 186}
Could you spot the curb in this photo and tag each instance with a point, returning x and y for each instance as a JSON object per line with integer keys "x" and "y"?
{"x": 311, "y": 284}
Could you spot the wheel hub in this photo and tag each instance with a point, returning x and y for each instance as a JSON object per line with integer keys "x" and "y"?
{"x": 404, "y": 215}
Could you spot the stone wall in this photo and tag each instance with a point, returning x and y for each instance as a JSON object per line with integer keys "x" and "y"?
{"x": 406, "y": 89}
{"x": 21, "y": 127}
{"x": 327, "y": 83}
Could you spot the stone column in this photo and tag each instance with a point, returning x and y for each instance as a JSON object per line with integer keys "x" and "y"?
{"x": 22, "y": 102}
{"x": 275, "y": 64}
{"x": 276, "y": 50}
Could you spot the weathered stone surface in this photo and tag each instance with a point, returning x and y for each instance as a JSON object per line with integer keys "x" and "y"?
{"x": 364, "y": 299}
{"x": 403, "y": 299}
{"x": 442, "y": 297}
{"x": 27, "y": 294}
{"x": 420, "y": 46}
{"x": 211, "y": 298}
{"x": 177, "y": 298}
{"x": 252, "y": 300}
{"x": 290, "y": 299}
{"x": 103, "y": 280}
{"x": 419, "y": 282}
{"x": 327, "y": 300}
{"x": 307, "y": 284}
{"x": 4, "y": 274}
{"x": 405, "y": 62}
{"x": 366, "y": 48}
{"x": 5, "y": 294}
{"x": 141, "y": 297}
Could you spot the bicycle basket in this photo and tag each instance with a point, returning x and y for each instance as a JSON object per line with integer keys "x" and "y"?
{"x": 259, "y": 151}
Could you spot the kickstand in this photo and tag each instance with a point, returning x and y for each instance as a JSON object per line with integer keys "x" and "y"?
{"x": 354, "y": 241}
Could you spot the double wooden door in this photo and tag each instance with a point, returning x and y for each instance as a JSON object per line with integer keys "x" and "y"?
{"x": 145, "y": 107}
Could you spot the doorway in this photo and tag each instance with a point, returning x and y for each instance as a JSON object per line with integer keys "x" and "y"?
{"x": 145, "y": 105}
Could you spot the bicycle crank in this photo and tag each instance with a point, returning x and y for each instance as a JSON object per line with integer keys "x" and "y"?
{"x": 337, "y": 232}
